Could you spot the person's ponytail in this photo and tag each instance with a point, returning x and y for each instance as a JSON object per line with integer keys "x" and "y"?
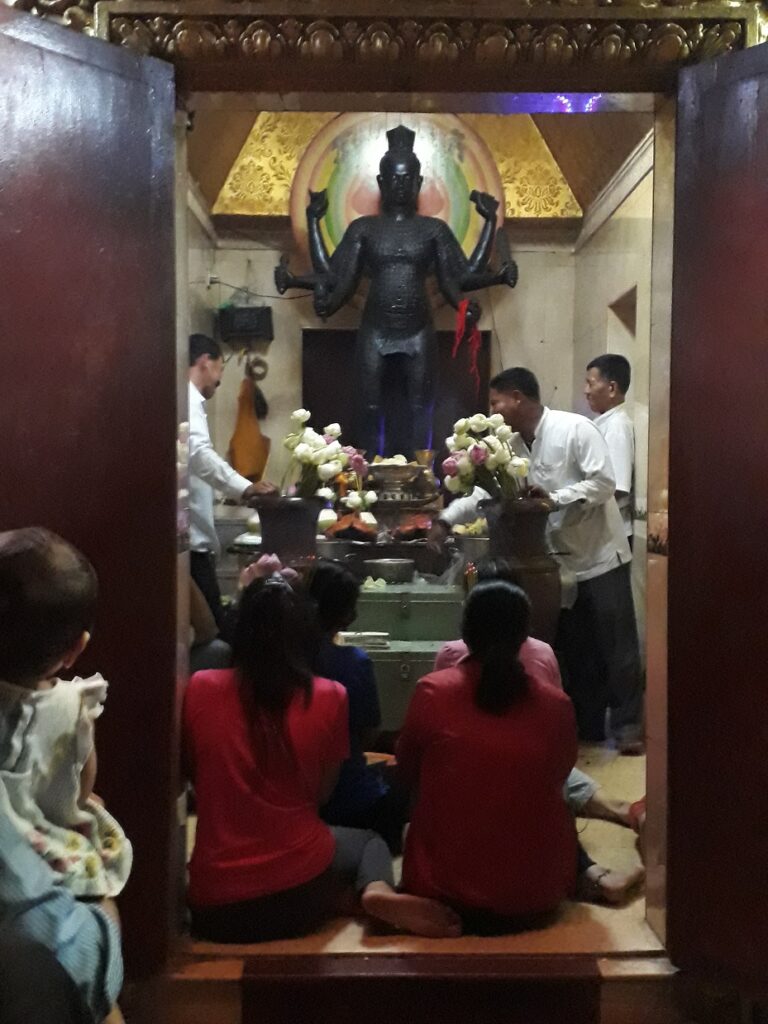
{"x": 502, "y": 680}
{"x": 496, "y": 618}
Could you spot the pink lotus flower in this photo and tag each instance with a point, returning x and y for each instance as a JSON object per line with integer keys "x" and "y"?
{"x": 478, "y": 453}
{"x": 450, "y": 466}
{"x": 266, "y": 565}
{"x": 358, "y": 465}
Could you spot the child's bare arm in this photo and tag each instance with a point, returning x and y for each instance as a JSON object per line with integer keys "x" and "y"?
{"x": 109, "y": 907}
{"x": 88, "y": 778}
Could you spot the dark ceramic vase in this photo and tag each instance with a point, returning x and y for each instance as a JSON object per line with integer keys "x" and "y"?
{"x": 289, "y": 527}
{"x": 517, "y": 532}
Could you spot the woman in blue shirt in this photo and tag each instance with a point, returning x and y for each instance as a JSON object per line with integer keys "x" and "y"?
{"x": 363, "y": 798}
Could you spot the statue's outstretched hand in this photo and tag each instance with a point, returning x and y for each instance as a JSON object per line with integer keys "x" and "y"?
{"x": 508, "y": 273}
{"x": 474, "y": 312}
{"x": 283, "y": 276}
{"x": 485, "y": 204}
{"x": 318, "y": 204}
{"x": 321, "y": 298}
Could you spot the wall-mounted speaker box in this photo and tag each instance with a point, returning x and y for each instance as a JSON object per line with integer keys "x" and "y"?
{"x": 239, "y": 322}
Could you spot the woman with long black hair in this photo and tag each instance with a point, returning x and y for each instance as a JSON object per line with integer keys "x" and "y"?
{"x": 487, "y": 747}
{"x": 264, "y": 742}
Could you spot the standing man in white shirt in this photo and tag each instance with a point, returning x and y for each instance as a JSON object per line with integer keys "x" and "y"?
{"x": 607, "y": 383}
{"x": 208, "y": 471}
{"x": 597, "y": 638}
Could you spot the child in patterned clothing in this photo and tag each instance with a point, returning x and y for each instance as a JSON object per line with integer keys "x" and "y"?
{"x": 47, "y": 753}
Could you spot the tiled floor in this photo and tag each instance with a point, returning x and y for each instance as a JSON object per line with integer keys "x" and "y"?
{"x": 581, "y": 928}
{"x": 623, "y": 777}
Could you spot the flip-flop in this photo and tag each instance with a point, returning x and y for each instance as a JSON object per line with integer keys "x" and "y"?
{"x": 636, "y": 814}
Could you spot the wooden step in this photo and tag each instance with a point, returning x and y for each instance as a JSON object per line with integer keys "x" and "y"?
{"x": 421, "y": 988}
{"x": 213, "y": 984}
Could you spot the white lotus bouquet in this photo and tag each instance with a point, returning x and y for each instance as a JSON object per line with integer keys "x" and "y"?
{"x": 320, "y": 459}
{"x": 480, "y": 455}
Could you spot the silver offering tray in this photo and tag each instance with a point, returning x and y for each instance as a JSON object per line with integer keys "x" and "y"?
{"x": 408, "y": 485}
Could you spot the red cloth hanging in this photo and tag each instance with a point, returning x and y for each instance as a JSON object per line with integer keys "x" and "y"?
{"x": 473, "y": 336}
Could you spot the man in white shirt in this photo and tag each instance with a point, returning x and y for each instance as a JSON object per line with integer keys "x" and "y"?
{"x": 597, "y": 638}
{"x": 607, "y": 383}
{"x": 208, "y": 471}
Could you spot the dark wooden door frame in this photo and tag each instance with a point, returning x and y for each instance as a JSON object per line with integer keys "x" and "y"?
{"x": 717, "y": 831}
{"x": 87, "y": 337}
{"x": 15, "y": 26}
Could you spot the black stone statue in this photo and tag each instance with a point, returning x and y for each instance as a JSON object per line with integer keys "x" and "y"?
{"x": 397, "y": 249}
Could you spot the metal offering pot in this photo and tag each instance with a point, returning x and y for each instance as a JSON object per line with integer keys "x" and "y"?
{"x": 391, "y": 570}
{"x": 336, "y": 550}
{"x": 474, "y": 549}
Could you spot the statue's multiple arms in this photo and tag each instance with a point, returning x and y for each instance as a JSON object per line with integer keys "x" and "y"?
{"x": 450, "y": 265}
{"x": 506, "y": 274}
{"x": 320, "y": 280}
{"x": 317, "y": 209}
{"x": 456, "y": 274}
{"x": 478, "y": 275}
{"x": 486, "y": 205}
{"x": 335, "y": 278}
{"x": 284, "y": 279}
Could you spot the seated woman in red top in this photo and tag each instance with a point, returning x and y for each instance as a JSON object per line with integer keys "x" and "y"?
{"x": 488, "y": 747}
{"x": 263, "y": 744}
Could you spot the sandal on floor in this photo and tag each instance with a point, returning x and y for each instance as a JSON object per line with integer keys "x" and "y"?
{"x": 636, "y": 815}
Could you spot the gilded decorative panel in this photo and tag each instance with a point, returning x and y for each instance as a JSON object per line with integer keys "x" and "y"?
{"x": 534, "y": 185}
{"x": 259, "y": 182}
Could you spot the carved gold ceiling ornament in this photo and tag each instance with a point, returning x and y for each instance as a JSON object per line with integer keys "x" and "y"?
{"x": 636, "y": 46}
{"x": 508, "y": 38}
{"x": 260, "y": 179}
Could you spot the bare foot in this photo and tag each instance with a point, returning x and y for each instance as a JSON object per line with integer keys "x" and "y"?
{"x": 607, "y": 808}
{"x": 408, "y": 913}
{"x": 631, "y": 748}
{"x": 601, "y": 885}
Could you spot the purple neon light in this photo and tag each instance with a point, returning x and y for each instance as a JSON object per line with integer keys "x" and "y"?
{"x": 554, "y": 103}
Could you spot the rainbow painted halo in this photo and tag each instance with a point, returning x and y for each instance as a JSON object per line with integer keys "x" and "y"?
{"x": 344, "y": 159}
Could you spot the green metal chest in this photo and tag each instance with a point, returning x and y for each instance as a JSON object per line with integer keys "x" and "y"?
{"x": 398, "y": 669}
{"x": 411, "y": 611}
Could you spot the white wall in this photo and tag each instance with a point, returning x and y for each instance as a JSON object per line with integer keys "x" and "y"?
{"x": 201, "y": 257}
{"x": 533, "y": 325}
{"x": 614, "y": 260}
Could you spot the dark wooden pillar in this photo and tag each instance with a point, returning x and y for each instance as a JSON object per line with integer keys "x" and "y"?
{"x": 88, "y": 406}
{"x": 718, "y": 558}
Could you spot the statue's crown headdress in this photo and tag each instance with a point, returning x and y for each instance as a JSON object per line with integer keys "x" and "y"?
{"x": 401, "y": 139}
